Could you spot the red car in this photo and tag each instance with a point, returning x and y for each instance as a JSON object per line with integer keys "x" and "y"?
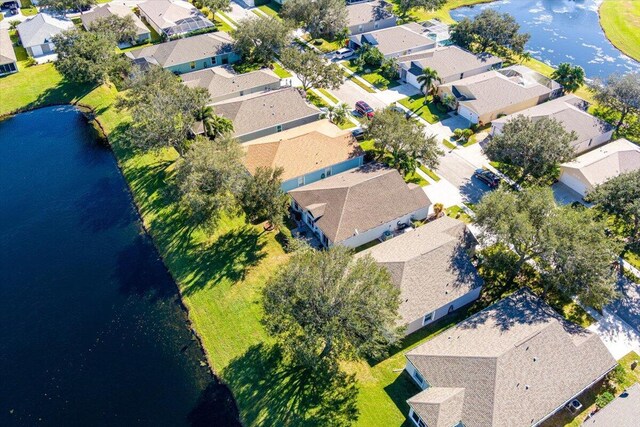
{"x": 364, "y": 109}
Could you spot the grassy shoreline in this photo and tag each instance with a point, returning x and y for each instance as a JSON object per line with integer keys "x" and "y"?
{"x": 620, "y": 21}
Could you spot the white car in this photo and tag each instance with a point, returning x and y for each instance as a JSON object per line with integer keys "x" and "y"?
{"x": 343, "y": 53}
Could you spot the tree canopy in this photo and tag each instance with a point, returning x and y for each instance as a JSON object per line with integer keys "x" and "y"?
{"x": 571, "y": 77}
{"x": 215, "y": 6}
{"x": 121, "y": 29}
{"x": 568, "y": 246}
{"x": 61, "y": 6}
{"x": 87, "y": 58}
{"x": 490, "y": 30}
{"x": 537, "y": 146}
{"x": 321, "y": 18}
{"x": 263, "y": 199}
{"x": 404, "y": 6}
{"x": 620, "y": 196}
{"x": 162, "y": 109}
{"x": 260, "y": 39}
{"x": 404, "y": 141}
{"x": 329, "y": 305}
{"x": 209, "y": 178}
{"x": 620, "y": 93}
{"x": 312, "y": 69}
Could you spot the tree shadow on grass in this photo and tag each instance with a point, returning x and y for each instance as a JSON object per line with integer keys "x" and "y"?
{"x": 275, "y": 393}
{"x": 64, "y": 92}
{"x": 399, "y": 391}
{"x": 228, "y": 258}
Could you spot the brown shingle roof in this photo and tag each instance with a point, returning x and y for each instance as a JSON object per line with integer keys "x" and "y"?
{"x": 430, "y": 265}
{"x": 110, "y": 9}
{"x": 451, "y": 60}
{"x": 517, "y": 360}
{"x": 439, "y": 406}
{"x": 220, "y": 82}
{"x": 7, "y": 54}
{"x": 368, "y": 11}
{"x": 359, "y": 200}
{"x": 302, "y": 154}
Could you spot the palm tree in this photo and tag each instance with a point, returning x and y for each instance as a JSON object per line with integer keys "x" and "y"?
{"x": 571, "y": 77}
{"x": 213, "y": 125}
{"x": 524, "y": 56}
{"x": 427, "y": 81}
{"x": 338, "y": 113}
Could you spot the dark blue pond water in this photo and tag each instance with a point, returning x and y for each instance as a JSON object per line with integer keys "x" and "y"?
{"x": 91, "y": 329}
{"x": 562, "y": 31}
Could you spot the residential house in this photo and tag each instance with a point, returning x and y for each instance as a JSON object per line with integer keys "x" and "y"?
{"x": 395, "y": 41}
{"x": 306, "y": 153}
{"x": 485, "y": 97}
{"x": 370, "y": 16}
{"x": 188, "y": 54}
{"x": 587, "y": 171}
{"x": 37, "y": 32}
{"x": 173, "y": 17}
{"x": 515, "y": 363}
{"x": 262, "y": 114}
{"x": 624, "y": 411}
{"x": 143, "y": 35}
{"x": 224, "y": 84}
{"x": 437, "y": 30}
{"x": 359, "y": 206}
{"x": 450, "y": 62}
{"x": 8, "y": 62}
{"x": 571, "y": 111}
{"x": 432, "y": 267}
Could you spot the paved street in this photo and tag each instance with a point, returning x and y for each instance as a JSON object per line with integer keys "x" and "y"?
{"x": 458, "y": 170}
{"x": 351, "y": 93}
{"x": 617, "y": 336}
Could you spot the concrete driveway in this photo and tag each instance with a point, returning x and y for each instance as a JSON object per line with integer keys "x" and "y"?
{"x": 457, "y": 166}
{"x": 617, "y": 335}
{"x": 565, "y": 195}
{"x": 351, "y": 93}
{"x": 239, "y": 11}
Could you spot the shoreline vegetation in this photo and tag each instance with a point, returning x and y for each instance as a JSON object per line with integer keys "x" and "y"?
{"x": 620, "y": 21}
{"x": 220, "y": 273}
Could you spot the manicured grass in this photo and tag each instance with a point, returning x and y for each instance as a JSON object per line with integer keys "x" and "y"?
{"x": 448, "y": 144}
{"x": 348, "y": 124}
{"x": 326, "y": 46}
{"x": 222, "y": 25}
{"x": 419, "y": 14}
{"x": 315, "y": 99}
{"x": 620, "y": 20}
{"x": 359, "y": 83}
{"x": 431, "y": 174}
{"x": 329, "y": 95}
{"x": 430, "y": 112}
{"x": 415, "y": 178}
{"x": 28, "y": 9}
{"x": 632, "y": 257}
{"x": 280, "y": 71}
{"x": 373, "y": 76}
{"x": 227, "y": 17}
{"x": 457, "y": 213}
{"x": 367, "y": 145}
{"x": 271, "y": 9}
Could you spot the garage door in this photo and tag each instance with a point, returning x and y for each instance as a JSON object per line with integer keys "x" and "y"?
{"x": 574, "y": 183}
{"x": 467, "y": 114}
{"x": 36, "y": 50}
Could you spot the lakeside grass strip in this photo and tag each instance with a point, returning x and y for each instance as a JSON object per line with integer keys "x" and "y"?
{"x": 620, "y": 21}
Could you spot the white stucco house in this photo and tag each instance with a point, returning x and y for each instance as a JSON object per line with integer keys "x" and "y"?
{"x": 36, "y": 33}
{"x": 595, "y": 167}
{"x": 358, "y": 206}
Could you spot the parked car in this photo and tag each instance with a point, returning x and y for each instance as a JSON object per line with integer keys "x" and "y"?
{"x": 358, "y": 134}
{"x": 343, "y": 53}
{"x": 488, "y": 177}
{"x": 364, "y": 109}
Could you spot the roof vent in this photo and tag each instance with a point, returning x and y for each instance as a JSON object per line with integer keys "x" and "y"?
{"x": 535, "y": 359}
{"x": 526, "y": 387}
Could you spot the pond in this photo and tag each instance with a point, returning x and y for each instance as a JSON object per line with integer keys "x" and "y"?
{"x": 562, "y": 31}
{"x": 93, "y": 332}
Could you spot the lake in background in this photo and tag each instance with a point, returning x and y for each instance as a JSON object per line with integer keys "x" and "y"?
{"x": 562, "y": 31}
{"x": 92, "y": 332}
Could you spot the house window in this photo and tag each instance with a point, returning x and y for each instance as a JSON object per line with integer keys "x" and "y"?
{"x": 450, "y": 308}
{"x": 300, "y": 181}
{"x": 192, "y": 65}
{"x": 416, "y": 419}
{"x": 327, "y": 172}
{"x": 427, "y": 318}
{"x": 279, "y": 128}
{"x": 213, "y": 60}
{"x": 418, "y": 377}
{"x": 359, "y": 28}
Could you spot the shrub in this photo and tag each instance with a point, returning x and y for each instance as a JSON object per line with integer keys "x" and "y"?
{"x": 603, "y": 399}
{"x": 370, "y": 56}
{"x": 389, "y": 69}
{"x": 31, "y": 62}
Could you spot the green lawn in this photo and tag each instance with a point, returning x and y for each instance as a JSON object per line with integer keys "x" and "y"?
{"x": 28, "y": 8}
{"x": 373, "y": 77}
{"x": 271, "y": 9}
{"x": 329, "y": 95}
{"x": 448, "y": 144}
{"x": 415, "y": 178}
{"x": 419, "y": 14}
{"x": 315, "y": 99}
{"x": 457, "y": 213}
{"x": 326, "y": 46}
{"x": 632, "y": 257}
{"x": 348, "y": 124}
{"x": 359, "y": 83}
{"x": 222, "y": 25}
{"x": 431, "y": 174}
{"x": 280, "y": 71}
{"x": 620, "y": 20}
{"x": 430, "y": 112}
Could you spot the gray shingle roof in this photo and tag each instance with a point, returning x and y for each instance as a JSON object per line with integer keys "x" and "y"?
{"x": 371, "y": 11}
{"x": 517, "y": 360}
{"x": 41, "y": 28}
{"x": 451, "y": 60}
{"x": 7, "y": 54}
{"x": 182, "y": 51}
{"x": 251, "y": 113}
{"x": 396, "y": 39}
{"x": 439, "y": 406}
{"x": 430, "y": 265}
{"x": 359, "y": 200}
{"x": 107, "y": 10}
{"x": 624, "y": 411}
{"x": 220, "y": 82}
{"x": 571, "y": 112}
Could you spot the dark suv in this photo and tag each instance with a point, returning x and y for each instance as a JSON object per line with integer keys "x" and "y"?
{"x": 488, "y": 177}
{"x": 364, "y": 109}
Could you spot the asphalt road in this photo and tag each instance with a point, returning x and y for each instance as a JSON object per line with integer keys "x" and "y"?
{"x": 459, "y": 172}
